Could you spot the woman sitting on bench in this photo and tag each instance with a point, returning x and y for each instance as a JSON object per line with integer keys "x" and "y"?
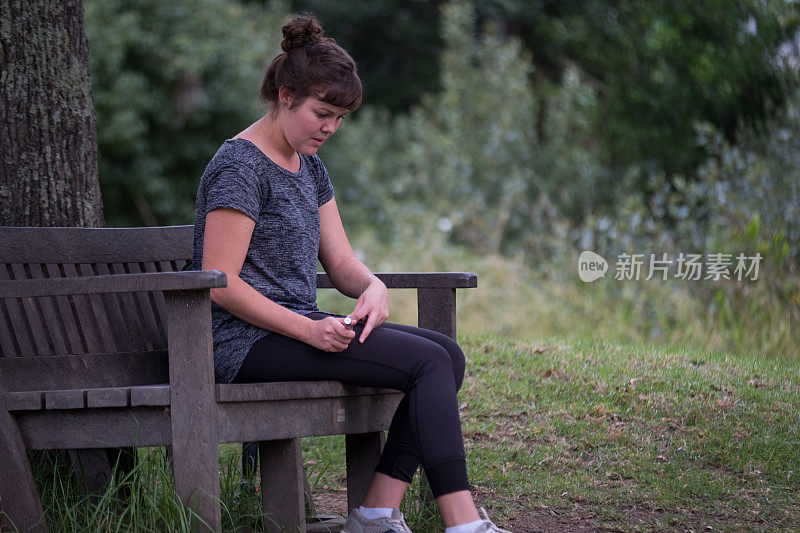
{"x": 265, "y": 212}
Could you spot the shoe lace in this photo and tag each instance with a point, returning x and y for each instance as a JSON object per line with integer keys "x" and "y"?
{"x": 492, "y": 526}
{"x": 399, "y": 523}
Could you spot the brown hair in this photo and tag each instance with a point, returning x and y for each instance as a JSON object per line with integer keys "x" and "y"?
{"x": 312, "y": 65}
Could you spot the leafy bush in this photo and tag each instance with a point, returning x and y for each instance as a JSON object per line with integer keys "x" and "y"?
{"x": 172, "y": 81}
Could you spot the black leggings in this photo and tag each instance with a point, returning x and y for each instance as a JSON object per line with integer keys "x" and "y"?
{"x": 426, "y": 365}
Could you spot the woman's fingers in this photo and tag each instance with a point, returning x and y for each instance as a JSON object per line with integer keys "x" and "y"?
{"x": 332, "y": 335}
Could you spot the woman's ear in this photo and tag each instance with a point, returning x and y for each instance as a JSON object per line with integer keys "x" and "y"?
{"x": 284, "y": 96}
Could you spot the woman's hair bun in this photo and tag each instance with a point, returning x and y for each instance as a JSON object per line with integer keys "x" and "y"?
{"x": 302, "y": 30}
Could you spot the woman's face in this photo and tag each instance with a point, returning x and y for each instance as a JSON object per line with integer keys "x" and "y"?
{"x": 308, "y": 125}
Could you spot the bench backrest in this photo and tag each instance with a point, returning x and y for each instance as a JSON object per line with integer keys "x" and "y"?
{"x": 84, "y": 341}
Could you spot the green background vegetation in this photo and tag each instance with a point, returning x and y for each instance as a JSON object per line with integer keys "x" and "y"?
{"x": 502, "y": 138}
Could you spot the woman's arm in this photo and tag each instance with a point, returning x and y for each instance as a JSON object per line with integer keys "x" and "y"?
{"x": 225, "y": 243}
{"x": 349, "y": 275}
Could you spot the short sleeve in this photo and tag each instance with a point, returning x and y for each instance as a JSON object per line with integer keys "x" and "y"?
{"x": 237, "y": 187}
{"x": 324, "y": 185}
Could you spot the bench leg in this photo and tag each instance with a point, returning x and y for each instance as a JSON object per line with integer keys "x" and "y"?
{"x": 195, "y": 460}
{"x": 363, "y": 451}
{"x": 282, "y": 483}
{"x": 20, "y": 502}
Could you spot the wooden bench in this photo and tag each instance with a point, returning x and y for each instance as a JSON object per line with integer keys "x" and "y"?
{"x": 106, "y": 342}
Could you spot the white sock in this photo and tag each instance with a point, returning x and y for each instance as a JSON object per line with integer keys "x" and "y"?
{"x": 469, "y": 527}
{"x": 371, "y": 513}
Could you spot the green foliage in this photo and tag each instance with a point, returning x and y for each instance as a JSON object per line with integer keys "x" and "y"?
{"x": 661, "y": 66}
{"x": 469, "y": 160}
{"x": 172, "y": 81}
{"x": 396, "y": 44}
{"x": 494, "y": 170}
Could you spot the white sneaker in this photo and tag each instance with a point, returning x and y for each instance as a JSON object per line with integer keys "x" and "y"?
{"x": 488, "y": 526}
{"x": 356, "y": 523}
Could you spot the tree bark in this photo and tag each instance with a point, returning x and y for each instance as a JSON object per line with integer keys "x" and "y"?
{"x": 48, "y": 161}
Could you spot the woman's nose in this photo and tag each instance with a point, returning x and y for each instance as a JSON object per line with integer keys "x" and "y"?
{"x": 329, "y": 126}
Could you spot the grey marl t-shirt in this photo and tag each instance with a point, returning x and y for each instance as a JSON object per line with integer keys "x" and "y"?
{"x": 281, "y": 261}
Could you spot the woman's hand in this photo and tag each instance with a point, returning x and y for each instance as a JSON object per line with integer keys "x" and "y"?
{"x": 329, "y": 334}
{"x": 374, "y": 304}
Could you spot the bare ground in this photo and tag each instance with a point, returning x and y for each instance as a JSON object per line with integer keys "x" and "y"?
{"x": 579, "y": 518}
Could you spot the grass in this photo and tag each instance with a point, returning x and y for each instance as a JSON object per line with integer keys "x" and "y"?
{"x": 613, "y": 436}
{"x": 518, "y": 297}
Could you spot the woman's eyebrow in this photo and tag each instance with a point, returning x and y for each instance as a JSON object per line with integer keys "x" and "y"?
{"x": 331, "y": 111}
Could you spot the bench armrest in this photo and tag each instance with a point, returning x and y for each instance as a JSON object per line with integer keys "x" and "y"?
{"x": 156, "y": 281}
{"x": 416, "y": 280}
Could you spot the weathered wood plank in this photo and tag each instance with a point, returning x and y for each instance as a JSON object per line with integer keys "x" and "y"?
{"x": 414, "y": 280}
{"x": 31, "y": 316}
{"x": 159, "y": 307}
{"x": 84, "y": 371}
{"x": 117, "y": 397}
{"x": 162, "y": 281}
{"x": 23, "y": 345}
{"x": 52, "y": 320}
{"x": 83, "y": 308}
{"x": 145, "y": 310}
{"x": 288, "y": 419}
{"x": 119, "y": 310}
{"x": 67, "y": 315}
{"x": 94, "y": 428}
{"x": 192, "y": 405}
{"x": 7, "y": 347}
{"x": 94, "y": 245}
{"x": 282, "y": 485}
{"x": 23, "y": 401}
{"x": 288, "y": 390}
{"x": 65, "y": 399}
{"x": 153, "y": 395}
{"x": 99, "y": 311}
{"x": 20, "y": 500}
{"x": 436, "y": 310}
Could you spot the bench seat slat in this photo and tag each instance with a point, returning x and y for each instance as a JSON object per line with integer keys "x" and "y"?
{"x": 152, "y": 395}
{"x": 64, "y": 399}
{"x": 146, "y": 396}
{"x": 158, "y": 395}
{"x": 107, "y": 398}
{"x": 23, "y": 401}
{"x": 290, "y": 390}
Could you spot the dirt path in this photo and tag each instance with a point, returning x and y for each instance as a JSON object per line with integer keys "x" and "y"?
{"x": 538, "y": 521}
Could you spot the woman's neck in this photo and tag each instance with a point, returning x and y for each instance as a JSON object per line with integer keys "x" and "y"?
{"x": 267, "y": 134}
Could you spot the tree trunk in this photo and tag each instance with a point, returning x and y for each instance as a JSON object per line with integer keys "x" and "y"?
{"x": 48, "y": 161}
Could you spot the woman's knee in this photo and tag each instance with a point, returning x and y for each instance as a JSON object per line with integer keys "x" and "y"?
{"x": 434, "y": 360}
{"x": 457, "y": 359}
